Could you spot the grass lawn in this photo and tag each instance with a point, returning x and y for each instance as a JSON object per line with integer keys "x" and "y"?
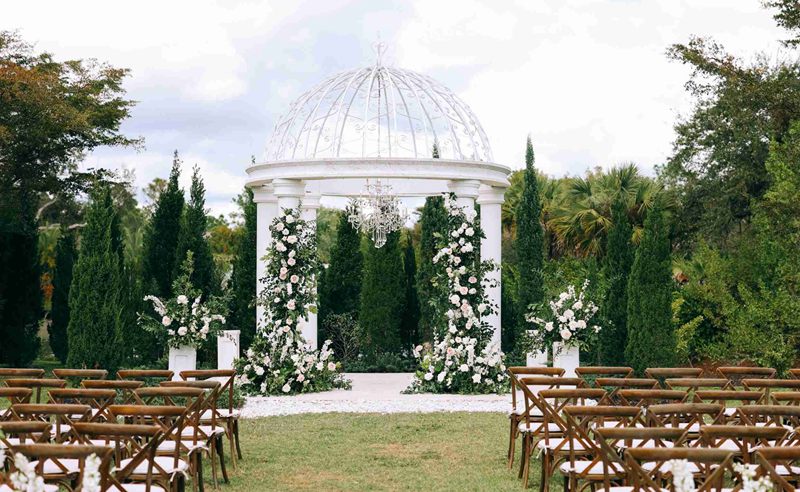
{"x": 432, "y": 452}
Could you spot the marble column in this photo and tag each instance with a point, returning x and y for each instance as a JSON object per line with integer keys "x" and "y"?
{"x": 491, "y": 202}
{"x": 266, "y": 211}
{"x": 310, "y": 328}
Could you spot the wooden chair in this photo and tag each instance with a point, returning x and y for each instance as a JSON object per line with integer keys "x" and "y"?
{"x": 743, "y": 440}
{"x": 647, "y": 397}
{"x": 697, "y": 384}
{"x": 150, "y": 377}
{"x": 38, "y": 385}
{"x": 62, "y": 416}
{"x": 124, "y": 389}
{"x": 591, "y": 373}
{"x": 730, "y": 399}
{"x": 648, "y": 466}
{"x": 98, "y": 399}
{"x": 20, "y": 373}
{"x": 517, "y": 407}
{"x": 736, "y": 374}
{"x": 781, "y": 464}
{"x": 64, "y": 464}
{"x": 688, "y": 416}
{"x": 662, "y": 373}
{"x": 613, "y": 385}
{"x": 12, "y": 396}
{"x": 769, "y": 385}
{"x": 229, "y": 415}
{"x": 787, "y": 416}
{"x": 75, "y": 376}
{"x": 21, "y": 432}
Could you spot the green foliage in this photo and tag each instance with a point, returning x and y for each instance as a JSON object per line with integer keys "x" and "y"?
{"x": 651, "y": 337}
{"x": 409, "y": 326}
{"x": 243, "y": 279}
{"x": 340, "y": 290}
{"x": 382, "y": 301}
{"x": 433, "y": 222}
{"x": 345, "y": 334}
{"x": 97, "y": 297}
{"x": 787, "y": 16}
{"x": 59, "y": 312}
{"x": 529, "y": 245}
{"x": 161, "y": 236}
{"x": 192, "y": 238}
{"x": 20, "y": 295}
{"x": 617, "y": 267}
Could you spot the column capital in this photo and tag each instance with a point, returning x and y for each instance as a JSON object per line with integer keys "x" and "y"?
{"x": 489, "y": 195}
{"x": 464, "y": 188}
{"x": 311, "y": 201}
{"x": 264, "y": 194}
{"x": 289, "y": 188}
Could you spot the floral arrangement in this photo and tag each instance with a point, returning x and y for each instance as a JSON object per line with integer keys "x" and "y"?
{"x": 749, "y": 481}
{"x": 280, "y": 361}
{"x": 185, "y": 319}
{"x": 683, "y": 478}
{"x": 25, "y": 479}
{"x": 462, "y": 359}
{"x": 567, "y": 319}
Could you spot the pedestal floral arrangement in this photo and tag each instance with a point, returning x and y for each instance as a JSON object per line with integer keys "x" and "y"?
{"x": 185, "y": 320}
{"x": 279, "y": 360}
{"x": 564, "y": 323}
{"x": 463, "y": 358}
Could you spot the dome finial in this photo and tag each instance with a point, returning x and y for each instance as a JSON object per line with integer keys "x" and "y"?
{"x": 379, "y": 47}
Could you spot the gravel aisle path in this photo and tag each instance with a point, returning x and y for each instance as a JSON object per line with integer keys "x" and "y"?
{"x": 374, "y": 393}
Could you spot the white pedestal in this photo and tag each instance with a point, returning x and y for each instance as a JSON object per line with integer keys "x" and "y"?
{"x": 537, "y": 359}
{"x": 567, "y": 358}
{"x": 227, "y": 348}
{"x": 182, "y": 359}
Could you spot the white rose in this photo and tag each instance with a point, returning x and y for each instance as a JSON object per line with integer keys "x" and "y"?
{"x": 259, "y": 370}
{"x": 182, "y": 331}
{"x": 548, "y": 326}
{"x": 286, "y": 388}
{"x": 428, "y": 376}
{"x": 331, "y": 366}
{"x": 320, "y": 366}
{"x": 294, "y": 279}
{"x": 463, "y": 368}
{"x": 472, "y": 279}
{"x": 470, "y": 231}
{"x": 568, "y": 314}
{"x": 166, "y": 321}
{"x": 565, "y": 334}
{"x": 463, "y": 291}
{"x": 280, "y": 246}
{"x": 301, "y": 378}
{"x": 290, "y": 219}
{"x": 455, "y": 299}
{"x": 291, "y": 261}
{"x": 291, "y": 305}
{"x": 279, "y": 226}
{"x": 577, "y": 305}
{"x": 182, "y": 299}
{"x": 291, "y": 239}
{"x": 441, "y": 376}
{"x": 476, "y": 378}
{"x": 481, "y": 308}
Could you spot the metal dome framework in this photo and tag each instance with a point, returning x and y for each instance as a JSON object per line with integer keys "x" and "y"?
{"x": 378, "y": 112}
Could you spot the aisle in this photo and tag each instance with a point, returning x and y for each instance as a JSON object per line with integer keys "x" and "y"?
{"x": 374, "y": 393}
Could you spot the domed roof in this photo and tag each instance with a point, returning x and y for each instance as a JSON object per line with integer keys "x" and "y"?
{"x": 375, "y": 112}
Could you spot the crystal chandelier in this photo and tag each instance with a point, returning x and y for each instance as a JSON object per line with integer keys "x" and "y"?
{"x": 378, "y": 212}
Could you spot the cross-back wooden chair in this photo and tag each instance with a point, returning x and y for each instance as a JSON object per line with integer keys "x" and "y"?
{"x": 612, "y": 443}
{"x": 20, "y": 373}
{"x": 688, "y": 416}
{"x": 781, "y": 464}
{"x": 124, "y": 389}
{"x": 784, "y": 398}
{"x": 23, "y": 432}
{"x": 582, "y": 458}
{"x": 62, "y": 416}
{"x": 132, "y": 444}
{"x": 174, "y": 460}
{"x": 12, "y": 396}
{"x": 60, "y": 464}
{"x": 662, "y": 373}
{"x": 787, "y": 416}
{"x": 150, "y": 377}
{"x": 794, "y": 373}
{"x": 75, "y": 376}
{"x": 613, "y": 385}
{"x": 743, "y": 440}
{"x": 518, "y": 410}
{"x": 649, "y": 466}
{"x": 736, "y": 374}
{"x": 229, "y": 415}
{"x": 731, "y": 399}
{"x": 697, "y": 384}
{"x": 647, "y": 397}
{"x": 38, "y": 385}
{"x": 591, "y": 373}
{"x": 98, "y": 399}
{"x": 769, "y": 385}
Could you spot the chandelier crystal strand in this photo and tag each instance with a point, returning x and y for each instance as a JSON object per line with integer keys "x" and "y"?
{"x": 379, "y": 212}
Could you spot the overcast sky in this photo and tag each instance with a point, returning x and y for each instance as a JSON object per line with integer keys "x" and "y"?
{"x": 588, "y": 79}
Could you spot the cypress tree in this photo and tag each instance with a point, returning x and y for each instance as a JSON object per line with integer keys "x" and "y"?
{"x": 243, "y": 279}
{"x": 433, "y": 222}
{"x": 59, "y": 312}
{"x": 381, "y": 299}
{"x": 409, "y": 328}
{"x": 651, "y": 338}
{"x": 340, "y": 290}
{"x": 192, "y": 238}
{"x": 20, "y": 292}
{"x": 161, "y": 236}
{"x": 98, "y": 296}
{"x": 529, "y": 243}
{"x": 617, "y": 267}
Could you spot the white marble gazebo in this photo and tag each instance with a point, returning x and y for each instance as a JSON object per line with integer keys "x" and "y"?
{"x": 373, "y": 123}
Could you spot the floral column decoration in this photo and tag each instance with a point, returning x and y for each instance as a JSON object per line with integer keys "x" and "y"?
{"x": 280, "y": 361}
{"x": 462, "y": 359}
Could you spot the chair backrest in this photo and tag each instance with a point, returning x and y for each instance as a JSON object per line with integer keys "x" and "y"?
{"x": 784, "y": 458}
{"x": 697, "y": 383}
{"x": 784, "y": 398}
{"x": 768, "y": 415}
{"x": 770, "y": 385}
{"x": 154, "y": 375}
{"x": 662, "y": 373}
{"x": 25, "y": 431}
{"x": 517, "y": 372}
{"x": 80, "y": 374}
{"x": 13, "y": 396}
{"x": 590, "y": 373}
{"x": 226, "y": 377}
{"x": 58, "y": 454}
{"x": 686, "y": 415}
{"x": 98, "y": 399}
{"x": 61, "y": 415}
{"x": 38, "y": 385}
{"x": 736, "y": 374}
{"x": 171, "y": 420}
{"x": 647, "y": 397}
{"x": 212, "y": 389}
{"x": 20, "y": 373}
{"x": 726, "y": 397}
{"x": 124, "y": 389}
{"x": 743, "y": 438}
{"x": 712, "y": 466}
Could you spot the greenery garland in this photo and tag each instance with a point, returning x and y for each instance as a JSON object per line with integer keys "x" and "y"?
{"x": 463, "y": 358}
{"x": 279, "y": 360}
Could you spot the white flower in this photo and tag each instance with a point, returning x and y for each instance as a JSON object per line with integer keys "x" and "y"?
{"x": 467, "y": 248}
{"x": 279, "y": 226}
{"x": 166, "y": 321}
{"x": 331, "y": 366}
{"x": 470, "y": 231}
{"x": 463, "y": 368}
{"x": 455, "y": 299}
{"x": 476, "y": 378}
{"x": 182, "y": 299}
{"x": 280, "y": 246}
{"x": 481, "y": 308}
{"x": 577, "y": 305}
{"x": 568, "y": 314}
{"x": 291, "y": 261}
{"x": 290, "y": 219}
{"x": 291, "y": 239}
{"x": 291, "y": 305}
{"x": 463, "y": 291}
{"x": 320, "y": 366}
{"x": 565, "y": 334}
{"x": 286, "y": 388}
{"x": 182, "y": 331}
{"x": 294, "y": 279}
{"x": 548, "y": 326}
{"x": 472, "y": 279}
{"x": 301, "y": 378}
{"x": 428, "y": 376}
{"x": 441, "y": 376}
{"x": 259, "y": 370}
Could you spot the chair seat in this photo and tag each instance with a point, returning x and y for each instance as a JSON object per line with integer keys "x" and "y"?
{"x": 585, "y": 467}
{"x": 555, "y": 442}
{"x": 169, "y": 446}
{"x": 164, "y": 462}
{"x": 51, "y": 468}
{"x": 518, "y": 412}
{"x": 221, "y": 413}
{"x": 136, "y": 487}
{"x": 204, "y": 430}
{"x": 651, "y": 465}
{"x": 551, "y": 427}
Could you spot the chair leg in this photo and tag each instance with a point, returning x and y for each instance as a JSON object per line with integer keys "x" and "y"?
{"x": 527, "y": 459}
{"x": 199, "y": 461}
{"x": 236, "y": 435}
{"x": 522, "y": 454}
{"x": 512, "y": 443}
{"x": 567, "y": 483}
{"x": 212, "y": 456}
{"x": 231, "y": 442}
{"x": 221, "y": 455}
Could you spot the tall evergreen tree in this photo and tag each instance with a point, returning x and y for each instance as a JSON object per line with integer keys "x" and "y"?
{"x": 161, "y": 236}
{"x": 651, "y": 338}
{"x": 98, "y": 296}
{"x": 617, "y": 267}
{"x": 432, "y": 222}
{"x": 340, "y": 291}
{"x": 59, "y": 312}
{"x": 529, "y": 243}
{"x": 409, "y": 328}
{"x": 243, "y": 279}
{"x": 381, "y": 303}
{"x": 192, "y": 238}
{"x": 20, "y": 292}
